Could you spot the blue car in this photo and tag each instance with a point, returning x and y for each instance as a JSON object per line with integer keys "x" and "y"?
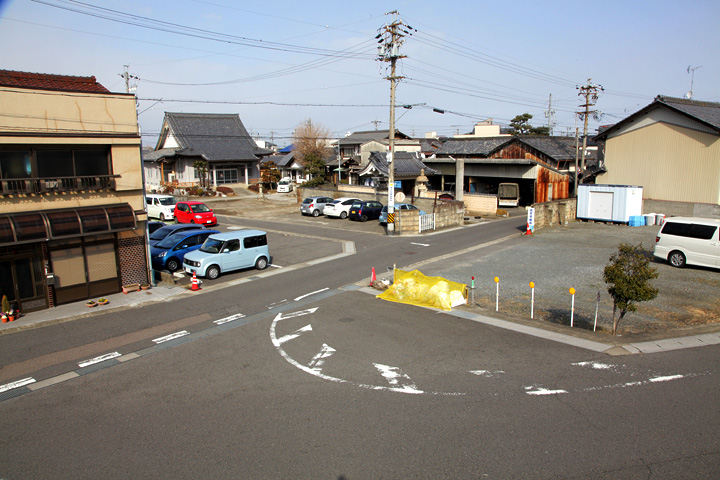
{"x": 168, "y": 253}
{"x": 163, "y": 232}
{"x": 399, "y": 207}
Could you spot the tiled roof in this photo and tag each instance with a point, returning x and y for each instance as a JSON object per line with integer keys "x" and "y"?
{"x": 214, "y": 136}
{"x": 473, "y": 146}
{"x": 557, "y": 148}
{"x": 43, "y": 81}
{"x": 358, "y": 138}
{"x": 407, "y": 164}
{"x": 708, "y": 112}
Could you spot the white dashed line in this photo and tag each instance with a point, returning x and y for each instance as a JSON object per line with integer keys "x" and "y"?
{"x": 229, "y": 319}
{"x": 18, "y": 384}
{"x": 172, "y": 336}
{"x": 99, "y": 359}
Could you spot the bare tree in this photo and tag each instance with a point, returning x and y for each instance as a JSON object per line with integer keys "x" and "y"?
{"x": 311, "y": 148}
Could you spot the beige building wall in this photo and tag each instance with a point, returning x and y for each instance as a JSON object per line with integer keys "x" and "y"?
{"x": 670, "y": 162}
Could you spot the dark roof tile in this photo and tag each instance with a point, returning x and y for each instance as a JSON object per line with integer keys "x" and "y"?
{"x": 43, "y": 81}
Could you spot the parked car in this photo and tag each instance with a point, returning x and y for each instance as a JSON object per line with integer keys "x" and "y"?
{"x": 154, "y": 225}
{"x": 163, "y": 232}
{"x": 689, "y": 240}
{"x": 398, "y": 209}
{"x": 314, "y": 205}
{"x": 194, "y": 212}
{"x": 284, "y": 186}
{"x": 339, "y": 207}
{"x": 365, "y": 211}
{"x": 225, "y": 252}
{"x": 161, "y": 206}
{"x": 168, "y": 253}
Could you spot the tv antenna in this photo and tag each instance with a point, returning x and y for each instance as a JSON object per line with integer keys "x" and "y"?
{"x": 691, "y": 70}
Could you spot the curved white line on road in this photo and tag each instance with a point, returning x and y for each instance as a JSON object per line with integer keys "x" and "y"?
{"x": 317, "y": 373}
{"x": 311, "y": 293}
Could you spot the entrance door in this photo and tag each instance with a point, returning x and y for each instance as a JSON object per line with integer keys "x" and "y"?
{"x": 22, "y": 280}
{"x": 84, "y": 271}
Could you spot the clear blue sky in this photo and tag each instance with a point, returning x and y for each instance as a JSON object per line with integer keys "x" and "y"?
{"x": 473, "y": 59}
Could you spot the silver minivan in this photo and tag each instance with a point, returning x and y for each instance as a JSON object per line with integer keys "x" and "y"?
{"x": 225, "y": 252}
{"x": 689, "y": 240}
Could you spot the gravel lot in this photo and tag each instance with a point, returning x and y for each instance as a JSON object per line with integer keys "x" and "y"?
{"x": 558, "y": 258}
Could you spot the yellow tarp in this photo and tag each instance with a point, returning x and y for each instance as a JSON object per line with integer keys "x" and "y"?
{"x": 415, "y": 288}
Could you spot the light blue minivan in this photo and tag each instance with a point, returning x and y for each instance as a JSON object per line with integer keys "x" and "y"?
{"x": 225, "y": 252}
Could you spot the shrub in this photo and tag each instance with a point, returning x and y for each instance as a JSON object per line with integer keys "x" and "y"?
{"x": 500, "y": 212}
{"x": 255, "y": 187}
{"x": 225, "y": 190}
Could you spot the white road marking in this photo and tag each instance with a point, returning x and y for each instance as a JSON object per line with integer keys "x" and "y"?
{"x": 595, "y": 365}
{"x": 665, "y": 379}
{"x": 294, "y": 335}
{"x": 311, "y": 293}
{"x": 17, "y": 384}
{"x": 420, "y": 244}
{"x": 172, "y": 336}
{"x": 280, "y": 315}
{"x": 397, "y": 378}
{"x": 319, "y": 360}
{"x": 543, "y": 391}
{"x": 99, "y": 359}
{"x": 275, "y": 266}
{"x": 485, "y": 373}
{"x": 229, "y": 319}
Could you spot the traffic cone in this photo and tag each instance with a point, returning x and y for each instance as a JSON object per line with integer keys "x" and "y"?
{"x": 373, "y": 279}
{"x": 195, "y": 283}
{"x": 527, "y": 229}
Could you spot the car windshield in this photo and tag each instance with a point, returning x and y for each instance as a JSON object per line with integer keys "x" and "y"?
{"x": 199, "y": 208}
{"x": 211, "y": 246}
{"x": 169, "y": 241}
{"x": 167, "y": 201}
{"x": 160, "y": 233}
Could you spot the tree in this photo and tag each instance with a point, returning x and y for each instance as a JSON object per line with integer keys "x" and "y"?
{"x": 628, "y": 275}
{"x": 202, "y": 169}
{"x": 269, "y": 173}
{"x": 521, "y": 126}
{"x": 311, "y": 148}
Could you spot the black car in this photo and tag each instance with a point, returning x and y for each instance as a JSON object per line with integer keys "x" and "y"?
{"x": 163, "y": 232}
{"x": 154, "y": 225}
{"x": 365, "y": 211}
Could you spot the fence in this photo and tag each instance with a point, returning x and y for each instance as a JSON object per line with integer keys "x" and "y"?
{"x": 427, "y": 222}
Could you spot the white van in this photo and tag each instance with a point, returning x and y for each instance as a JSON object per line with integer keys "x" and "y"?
{"x": 284, "y": 185}
{"x": 161, "y": 206}
{"x": 689, "y": 240}
{"x": 225, "y": 252}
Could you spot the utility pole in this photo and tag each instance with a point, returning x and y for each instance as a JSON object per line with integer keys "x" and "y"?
{"x": 375, "y": 122}
{"x": 590, "y": 92}
{"x": 127, "y": 78}
{"x": 390, "y": 37}
{"x": 550, "y": 115}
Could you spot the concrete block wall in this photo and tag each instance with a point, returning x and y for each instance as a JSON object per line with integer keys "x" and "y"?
{"x": 480, "y": 204}
{"x": 557, "y": 212}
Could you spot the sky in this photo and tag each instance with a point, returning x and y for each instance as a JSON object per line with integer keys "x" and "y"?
{"x": 279, "y": 63}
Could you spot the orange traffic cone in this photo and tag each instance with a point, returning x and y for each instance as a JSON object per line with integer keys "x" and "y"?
{"x": 527, "y": 229}
{"x": 195, "y": 283}
{"x": 373, "y": 279}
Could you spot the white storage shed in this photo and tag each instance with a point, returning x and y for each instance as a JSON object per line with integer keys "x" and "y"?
{"x": 609, "y": 203}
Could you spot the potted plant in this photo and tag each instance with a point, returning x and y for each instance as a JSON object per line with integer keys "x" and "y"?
{"x": 103, "y": 301}
{"x": 12, "y": 314}
{"x": 91, "y": 303}
{"x": 5, "y": 305}
{"x": 144, "y": 286}
{"x": 4, "y": 318}
{"x": 132, "y": 287}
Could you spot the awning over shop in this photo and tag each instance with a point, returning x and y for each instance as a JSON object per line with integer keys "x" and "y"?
{"x": 27, "y": 227}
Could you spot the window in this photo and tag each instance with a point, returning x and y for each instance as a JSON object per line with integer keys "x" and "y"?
{"x": 54, "y": 163}
{"x": 252, "y": 242}
{"x": 232, "y": 245}
{"x": 15, "y": 164}
{"x": 691, "y": 230}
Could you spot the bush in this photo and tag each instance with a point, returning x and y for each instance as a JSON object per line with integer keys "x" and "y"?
{"x": 255, "y": 187}
{"x": 225, "y": 190}
{"x": 500, "y": 212}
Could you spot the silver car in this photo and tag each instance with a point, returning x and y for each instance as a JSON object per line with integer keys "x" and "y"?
{"x": 314, "y": 205}
{"x": 339, "y": 207}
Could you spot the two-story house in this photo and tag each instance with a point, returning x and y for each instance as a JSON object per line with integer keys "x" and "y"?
{"x": 72, "y": 212}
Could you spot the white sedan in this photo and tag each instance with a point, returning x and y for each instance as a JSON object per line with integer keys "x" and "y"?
{"x": 339, "y": 207}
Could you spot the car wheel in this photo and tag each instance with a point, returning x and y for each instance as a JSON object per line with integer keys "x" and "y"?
{"x": 261, "y": 263}
{"x": 316, "y": 213}
{"x": 364, "y": 218}
{"x": 162, "y": 217}
{"x": 343, "y": 215}
{"x": 172, "y": 264}
{"x": 212, "y": 272}
{"x": 676, "y": 259}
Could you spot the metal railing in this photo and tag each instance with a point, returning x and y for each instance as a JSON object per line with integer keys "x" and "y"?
{"x": 427, "y": 222}
{"x": 38, "y": 186}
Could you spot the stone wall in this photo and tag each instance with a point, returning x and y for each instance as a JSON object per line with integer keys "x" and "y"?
{"x": 480, "y": 204}
{"x": 557, "y": 212}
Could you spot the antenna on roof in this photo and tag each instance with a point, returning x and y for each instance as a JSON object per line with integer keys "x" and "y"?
{"x": 691, "y": 70}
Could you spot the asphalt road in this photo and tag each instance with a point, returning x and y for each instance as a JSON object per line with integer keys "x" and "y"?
{"x": 305, "y": 375}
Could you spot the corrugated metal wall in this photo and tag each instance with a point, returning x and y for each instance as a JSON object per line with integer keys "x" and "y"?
{"x": 670, "y": 163}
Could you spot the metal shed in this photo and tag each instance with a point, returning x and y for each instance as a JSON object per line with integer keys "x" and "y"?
{"x": 610, "y": 203}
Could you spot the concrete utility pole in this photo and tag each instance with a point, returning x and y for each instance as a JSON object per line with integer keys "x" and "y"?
{"x": 550, "y": 115}
{"x": 390, "y": 37}
{"x": 590, "y": 92}
{"x": 127, "y": 78}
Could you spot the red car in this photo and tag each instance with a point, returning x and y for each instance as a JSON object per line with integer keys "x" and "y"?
{"x": 194, "y": 212}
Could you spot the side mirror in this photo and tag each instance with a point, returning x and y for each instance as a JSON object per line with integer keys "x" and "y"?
{"x": 227, "y": 250}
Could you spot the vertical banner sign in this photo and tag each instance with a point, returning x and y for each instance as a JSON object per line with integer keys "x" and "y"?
{"x": 531, "y": 218}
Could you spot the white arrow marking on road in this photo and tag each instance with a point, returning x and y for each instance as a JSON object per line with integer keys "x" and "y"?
{"x": 229, "y": 319}
{"x": 172, "y": 336}
{"x": 311, "y": 293}
{"x": 280, "y": 315}
{"x": 18, "y": 384}
{"x": 292, "y": 336}
{"x": 397, "y": 378}
{"x": 421, "y": 244}
{"x": 99, "y": 359}
{"x": 319, "y": 360}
